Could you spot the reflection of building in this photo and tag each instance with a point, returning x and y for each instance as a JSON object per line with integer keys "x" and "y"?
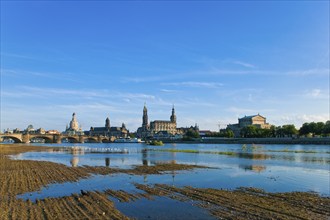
{"x": 74, "y": 128}
{"x": 109, "y": 131}
{"x": 107, "y": 161}
{"x": 255, "y": 120}
{"x": 156, "y": 126}
{"x": 255, "y": 168}
{"x": 74, "y": 161}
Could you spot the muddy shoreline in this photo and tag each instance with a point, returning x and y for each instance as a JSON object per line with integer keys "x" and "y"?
{"x": 22, "y": 176}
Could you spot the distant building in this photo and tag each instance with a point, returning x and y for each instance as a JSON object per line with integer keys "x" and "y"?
{"x": 107, "y": 130}
{"x": 255, "y": 120}
{"x": 162, "y": 125}
{"x": 53, "y": 132}
{"x": 167, "y": 128}
{"x": 74, "y": 128}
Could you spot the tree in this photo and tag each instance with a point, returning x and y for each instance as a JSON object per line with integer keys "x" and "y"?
{"x": 229, "y": 133}
{"x": 192, "y": 133}
{"x": 305, "y": 129}
{"x": 289, "y": 130}
{"x": 249, "y": 131}
{"x": 319, "y": 127}
{"x": 326, "y": 129}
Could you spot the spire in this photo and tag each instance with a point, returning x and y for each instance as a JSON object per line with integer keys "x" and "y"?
{"x": 173, "y": 116}
{"x": 107, "y": 122}
{"x": 145, "y": 117}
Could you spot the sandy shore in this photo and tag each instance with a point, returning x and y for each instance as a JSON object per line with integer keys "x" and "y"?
{"x": 21, "y": 176}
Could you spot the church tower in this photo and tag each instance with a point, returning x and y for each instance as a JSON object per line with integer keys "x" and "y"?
{"x": 173, "y": 116}
{"x": 107, "y": 123}
{"x": 145, "y": 125}
{"x": 74, "y": 123}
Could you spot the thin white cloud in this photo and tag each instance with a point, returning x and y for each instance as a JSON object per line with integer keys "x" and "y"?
{"x": 246, "y": 111}
{"x": 308, "y": 72}
{"x": 49, "y": 75}
{"x": 316, "y": 94}
{"x": 209, "y": 85}
{"x": 244, "y": 64}
{"x": 299, "y": 119}
{"x": 139, "y": 96}
{"x": 169, "y": 91}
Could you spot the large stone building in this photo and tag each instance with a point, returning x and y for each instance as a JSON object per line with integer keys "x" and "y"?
{"x": 74, "y": 128}
{"x": 163, "y": 125}
{"x": 157, "y": 126}
{"x": 107, "y": 130}
{"x": 255, "y": 120}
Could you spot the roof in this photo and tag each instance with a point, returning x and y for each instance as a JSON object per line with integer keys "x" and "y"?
{"x": 161, "y": 121}
{"x": 251, "y": 116}
{"x": 100, "y": 129}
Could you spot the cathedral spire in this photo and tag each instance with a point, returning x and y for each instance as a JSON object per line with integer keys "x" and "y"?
{"x": 145, "y": 117}
{"x": 173, "y": 116}
{"x": 107, "y": 123}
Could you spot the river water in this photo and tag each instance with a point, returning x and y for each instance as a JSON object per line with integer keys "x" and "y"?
{"x": 274, "y": 168}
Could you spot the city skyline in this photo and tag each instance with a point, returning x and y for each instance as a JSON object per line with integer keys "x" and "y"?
{"x": 215, "y": 61}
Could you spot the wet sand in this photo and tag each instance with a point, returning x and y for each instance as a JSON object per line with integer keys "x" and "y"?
{"x": 21, "y": 176}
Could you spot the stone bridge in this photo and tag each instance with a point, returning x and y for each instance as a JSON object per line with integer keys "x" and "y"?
{"x": 55, "y": 138}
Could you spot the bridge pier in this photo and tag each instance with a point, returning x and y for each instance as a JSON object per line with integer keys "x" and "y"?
{"x": 57, "y": 138}
{"x": 81, "y": 139}
{"x": 26, "y": 138}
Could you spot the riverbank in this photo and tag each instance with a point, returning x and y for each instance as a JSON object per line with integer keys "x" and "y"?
{"x": 209, "y": 140}
{"x": 22, "y": 176}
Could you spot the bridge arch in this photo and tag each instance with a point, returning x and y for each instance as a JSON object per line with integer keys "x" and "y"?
{"x": 105, "y": 140}
{"x": 46, "y": 138}
{"x": 15, "y": 139}
{"x": 91, "y": 140}
{"x": 70, "y": 139}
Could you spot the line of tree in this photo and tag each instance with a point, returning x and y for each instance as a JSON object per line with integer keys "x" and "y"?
{"x": 315, "y": 128}
{"x": 289, "y": 130}
{"x": 307, "y": 129}
{"x": 228, "y": 133}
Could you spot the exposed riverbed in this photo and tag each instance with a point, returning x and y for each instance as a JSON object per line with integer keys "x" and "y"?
{"x": 195, "y": 178}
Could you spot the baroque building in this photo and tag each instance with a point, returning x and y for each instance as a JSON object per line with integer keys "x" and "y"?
{"x": 107, "y": 130}
{"x": 162, "y": 125}
{"x": 255, "y": 120}
{"x": 149, "y": 130}
{"x": 74, "y": 128}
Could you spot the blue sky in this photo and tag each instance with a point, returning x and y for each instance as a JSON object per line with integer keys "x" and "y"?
{"x": 214, "y": 60}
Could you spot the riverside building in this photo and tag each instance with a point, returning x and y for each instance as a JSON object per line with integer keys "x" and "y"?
{"x": 164, "y": 126}
{"x": 74, "y": 128}
{"x": 255, "y": 120}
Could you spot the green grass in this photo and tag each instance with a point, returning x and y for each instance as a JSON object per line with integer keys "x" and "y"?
{"x": 230, "y": 153}
{"x": 195, "y": 151}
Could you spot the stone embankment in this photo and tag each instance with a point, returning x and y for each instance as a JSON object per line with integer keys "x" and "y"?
{"x": 317, "y": 141}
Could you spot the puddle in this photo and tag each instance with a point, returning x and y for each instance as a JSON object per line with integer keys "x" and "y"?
{"x": 162, "y": 208}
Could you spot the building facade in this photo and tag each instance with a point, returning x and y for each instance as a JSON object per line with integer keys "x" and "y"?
{"x": 74, "y": 128}
{"x": 169, "y": 127}
{"x": 255, "y": 120}
{"x": 107, "y": 130}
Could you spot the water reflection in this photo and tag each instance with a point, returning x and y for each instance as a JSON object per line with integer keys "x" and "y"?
{"x": 74, "y": 161}
{"x": 293, "y": 171}
{"x": 254, "y": 156}
{"x": 107, "y": 162}
{"x": 255, "y": 168}
{"x": 144, "y": 157}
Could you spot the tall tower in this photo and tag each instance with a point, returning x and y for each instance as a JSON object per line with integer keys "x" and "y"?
{"x": 74, "y": 123}
{"x": 173, "y": 116}
{"x": 107, "y": 123}
{"x": 145, "y": 118}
